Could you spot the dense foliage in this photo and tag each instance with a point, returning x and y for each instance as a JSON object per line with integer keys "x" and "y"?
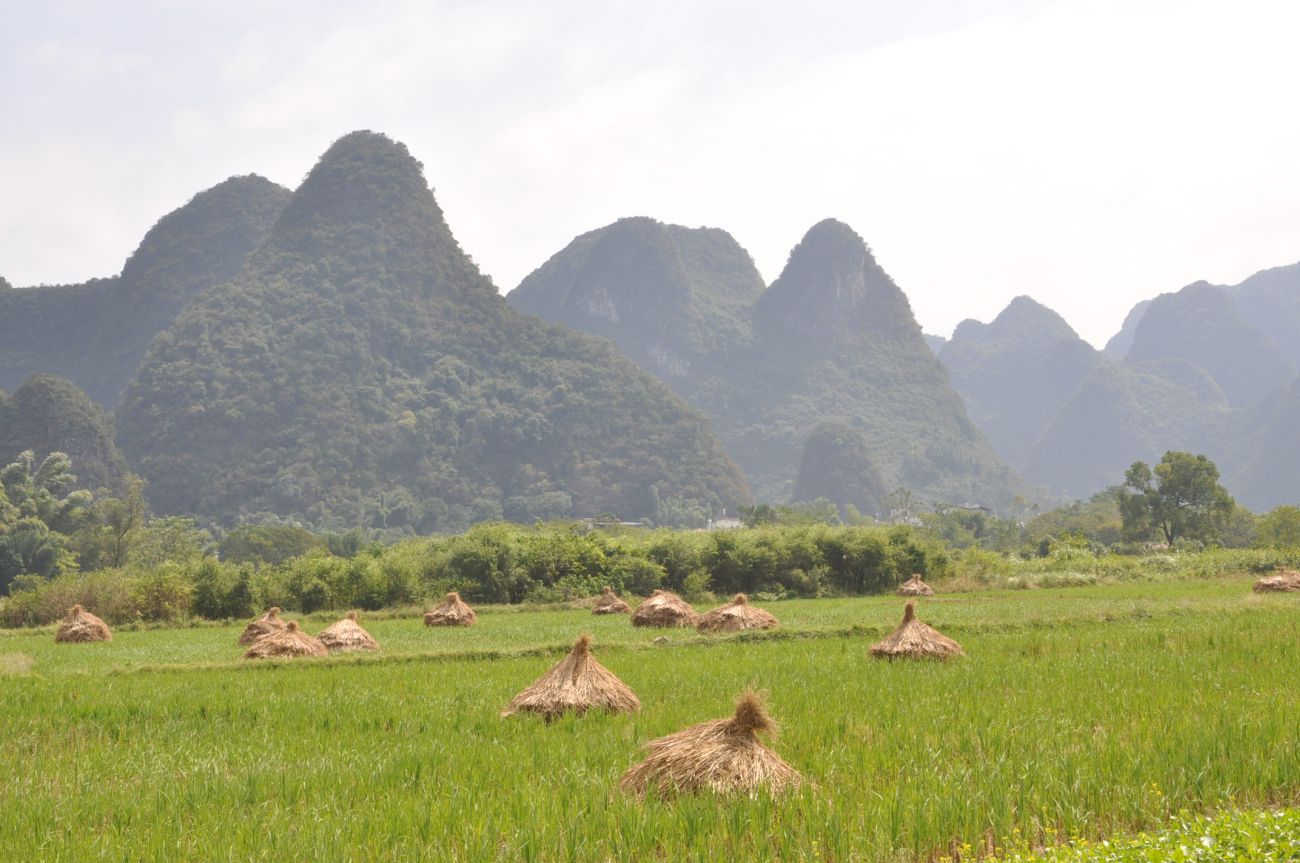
{"x": 1180, "y": 499}
{"x": 492, "y": 563}
{"x": 362, "y": 373}
{"x": 49, "y": 414}
{"x": 837, "y": 466}
{"x": 96, "y": 333}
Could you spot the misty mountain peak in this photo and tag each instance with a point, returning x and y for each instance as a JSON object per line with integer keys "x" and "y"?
{"x": 833, "y": 286}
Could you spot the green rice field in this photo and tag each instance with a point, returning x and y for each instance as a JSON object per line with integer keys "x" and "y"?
{"x": 1077, "y": 713}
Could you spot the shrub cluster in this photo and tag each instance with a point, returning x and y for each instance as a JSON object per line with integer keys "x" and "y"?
{"x": 495, "y": 563}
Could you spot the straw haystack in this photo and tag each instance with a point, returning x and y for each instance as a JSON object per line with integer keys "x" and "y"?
{"x": 724, "y": 756}
{"x": 452, "y": 612}
{"x": 577, "y": 683}
{"x": 914, "y": 586}
{"x": 264, "y": 625}
{"x": 347, "y": 635}
{"x": 79, "y": 626}
{"x": 663, "y": 608}
{"x": 735, "y": 616}
{"x": 913, "y": 639}
{"x": 609, "y": 603}
{"x": 1282, "y": 581}
{"x": 290, "y": 641}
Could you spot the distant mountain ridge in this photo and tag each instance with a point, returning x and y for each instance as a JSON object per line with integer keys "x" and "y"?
{"x": 1202, "y": 368}
{"x": 832, "y": 339}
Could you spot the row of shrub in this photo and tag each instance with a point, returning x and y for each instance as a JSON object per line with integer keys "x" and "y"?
{"x": 496, "y": 563}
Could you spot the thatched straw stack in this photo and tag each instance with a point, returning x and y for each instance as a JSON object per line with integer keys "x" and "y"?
{"x": 913, "y": 639}
{"x": 735, "y": 616}
{"x": 264, "y": 625}
{"x": 914, "y": 586}
{"x": 577, "y": 683}
{"x": 663, "y": 608}
{"x": 80, "y": 626}
{"x": 609, "y": 603}
{"x": 347, "y": 635}
{"x": 1283, "y": 581}
{"x": 290, "y": 641}
{"x": 724, "y": 756}
{"x": 452, "y": 612}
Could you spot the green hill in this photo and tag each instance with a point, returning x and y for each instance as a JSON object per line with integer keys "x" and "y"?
{"x": 832, "y": 339}
{"x": 49, "y": 414}
{"x": 836, "y": 464}
{"x": 96, "y": 333}
{"x": 361, "y": 371}
{"x": 669, "y": 297}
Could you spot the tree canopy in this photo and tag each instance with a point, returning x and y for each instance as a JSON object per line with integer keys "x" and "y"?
{"x": 1180, "y": 498}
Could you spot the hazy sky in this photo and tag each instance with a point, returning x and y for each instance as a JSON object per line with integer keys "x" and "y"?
{"x": 1086, "y": 152}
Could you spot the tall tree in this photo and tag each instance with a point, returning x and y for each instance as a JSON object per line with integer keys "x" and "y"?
{"x": 1181, "y": 498}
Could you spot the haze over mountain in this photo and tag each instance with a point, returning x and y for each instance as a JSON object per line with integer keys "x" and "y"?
{"x": 96, "y": 333}
{"x": 1015, "y": 373}
{"x": 833, "y": 338}
{"x": 1199, "y": 369}
{"x": 361, "y": 371}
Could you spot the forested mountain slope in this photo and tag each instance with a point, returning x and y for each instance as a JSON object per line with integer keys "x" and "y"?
{"x": 832, "y": 339}
{"x": 96, "y": 333}
{"x": 361, "y": 371}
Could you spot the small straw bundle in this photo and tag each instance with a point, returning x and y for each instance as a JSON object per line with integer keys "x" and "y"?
{"x": 80, "y": 626}
{"x": 1283, "y": 581}
{"x": 290, "y": 641}
{"x": 577, "y": 683}
{"x": 347, "y": 635}
{"x": 724, "y": 756}
{"x": 913, "y": 639}
{"x": 914, "y": 586}
{"x": 451, "y": 612}
{"x": 264, "y": 625}
{"x": 609, "y": 603}
{"x": 735, "y": 616}
{"x": 663, "y": 608}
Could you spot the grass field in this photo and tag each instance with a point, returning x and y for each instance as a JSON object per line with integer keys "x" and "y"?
{"x": 1085, "y": 711}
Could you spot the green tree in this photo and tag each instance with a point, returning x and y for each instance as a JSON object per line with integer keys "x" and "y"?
{"x": 1181, "y": 498}
{"x": 115, "y": 525}
{"x": 1279, "y": 528}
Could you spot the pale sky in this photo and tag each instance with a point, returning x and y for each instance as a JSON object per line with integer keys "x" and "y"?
{"x": 1089, "y": 153}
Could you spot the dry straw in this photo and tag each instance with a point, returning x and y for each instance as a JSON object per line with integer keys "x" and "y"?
{"x": 452, "y": 612}
{"x": 80, "y": 626}
{"x": 723, "y": 756}
{"x": 914, "y": 586}
{"x": 347, "y": 635}
{"x": 264, "y": 625}
{"x": 577, "y": 683}
{"x": 1283, "y": 581}
{"x": 290, "y": 641}
{"x": 913, "y": 639}
{"x": 609, "y": 603}
{"x": 735, "y": 616}
{"x": 663, "y": 608}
